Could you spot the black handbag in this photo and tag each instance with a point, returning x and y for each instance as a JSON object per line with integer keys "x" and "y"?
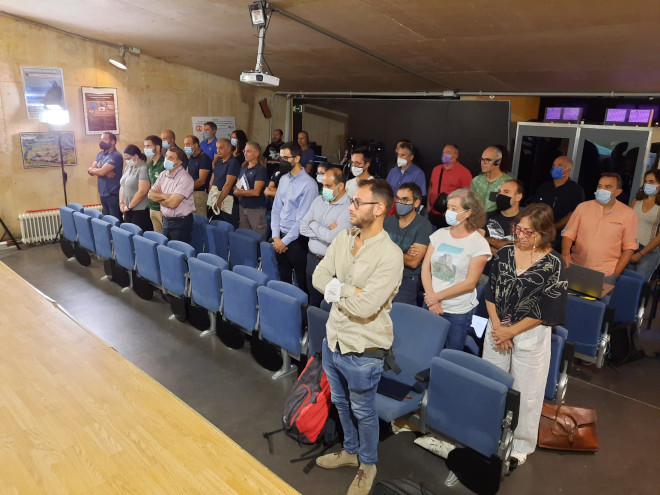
{"x": 440, "y": 203}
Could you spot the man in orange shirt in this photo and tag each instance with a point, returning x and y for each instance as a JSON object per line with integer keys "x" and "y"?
{"x": 446, "y": 178}
{"x": 602, "y": 232}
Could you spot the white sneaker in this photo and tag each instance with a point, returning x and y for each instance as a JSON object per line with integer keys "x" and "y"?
{"x": 435, "y": 445}
{"x": 520, "y": 456}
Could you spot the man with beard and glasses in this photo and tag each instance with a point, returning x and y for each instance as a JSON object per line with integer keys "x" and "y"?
{"x": 360, "y": 274}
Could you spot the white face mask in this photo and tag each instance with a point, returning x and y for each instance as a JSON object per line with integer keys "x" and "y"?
{"x": 131, "y": 163}
{"x": 357, "y": 171}
{"x": 401, "y": 162}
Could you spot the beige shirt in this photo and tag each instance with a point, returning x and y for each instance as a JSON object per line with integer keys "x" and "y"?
{"x": 361, "y": 321}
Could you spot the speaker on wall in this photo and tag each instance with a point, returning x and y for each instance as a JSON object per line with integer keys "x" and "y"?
{"x": 265, "y": 109}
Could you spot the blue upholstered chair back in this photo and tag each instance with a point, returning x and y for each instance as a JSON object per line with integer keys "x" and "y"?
{"x": 76, "y": 207}
{"x": 92, "y": 212}
{"x": 146, "y": 259}
{"x": 240, "y": 300}
{"x": 252, "y": 273}
{"x": 584, "y": 322}
{"x": 316, "y": 321}
{"x": 114, "y": 221}
{"x": 183, "y": 247}
{"x": 243, "y": 249}
{"x": 157, "y": 237}
{"x": 626, "y": 297}
{"x": 217, "y": 239}
{"x": 102, "y": 237}
{"x": 132, "y": 228}
{"x": 281, "y": 315}
{"x": 84, "y": 228}
{"x": 122, "y": 240}
{"x": 206, "y": 280}
{"x": 68, "y": 225}
{"x": 173, "y": 269}
{"x": 199, "y": 232}
{"x": 268, "y": 260}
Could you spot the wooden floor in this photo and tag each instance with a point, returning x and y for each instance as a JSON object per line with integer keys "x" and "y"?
{"x": 76, "y": 417}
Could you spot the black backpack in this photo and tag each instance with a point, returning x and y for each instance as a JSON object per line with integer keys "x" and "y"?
{"x": 401, "y": 486}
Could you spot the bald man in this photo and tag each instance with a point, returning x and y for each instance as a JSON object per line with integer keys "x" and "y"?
{"x": 561, "y": 193}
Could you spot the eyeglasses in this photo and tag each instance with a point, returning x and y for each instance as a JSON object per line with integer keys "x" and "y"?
{"x": 285, "y": 158}
{"x": 527, "y": 233}
{"x": 357, "y": 203}
{"x": 404, "y": 201}
{"x": 489, "y": 160}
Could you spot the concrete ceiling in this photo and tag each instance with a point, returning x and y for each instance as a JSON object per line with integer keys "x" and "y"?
{"x": 466, "y": 45}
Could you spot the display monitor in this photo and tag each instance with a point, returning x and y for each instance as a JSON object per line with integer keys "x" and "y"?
{"x": 616, "y": 116}
{"x": 552, "y": 114}
{"x": 641, "y": 117}
{"x": 571, "y": 114}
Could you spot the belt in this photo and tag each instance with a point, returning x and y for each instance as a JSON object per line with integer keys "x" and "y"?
{"x": 377, "y": 353}
{"x": 318, "y": 258}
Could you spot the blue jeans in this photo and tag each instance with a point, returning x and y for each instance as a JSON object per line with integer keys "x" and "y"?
{"x": 647, "y": 265}
{"x": 408, "y": 290}
{"x": 110, "y": 206}
{"x": 458, "y": 329}
{"x": 353, "y": 382}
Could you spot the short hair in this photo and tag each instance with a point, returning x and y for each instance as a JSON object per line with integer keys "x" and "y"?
{"x": 381, "y": 191}
{"x": 336, "y": 172}
{"x": 413, "y": 188}
{"x": 364, "y": 151}
{"x": 180, "y": 154}
{"x": 453, "y": 146}
{"x": 498, "y": 150}
{"x": 194, "y": 138}
{"x": 542, "y": 219}
{"x": 614, "y": 175}
{"x": 280, "y": 131}
{"x": 294, "y": 148}
{"x": 408, "y": 146}
{"x": 170, "y": 132}
{"x": 255, "y": 145}
{"x": 305, "y": 133}
{"x": 131, "y": 149}
{"x": 155, "y": 140}
{"x": 520, "y": 187}
{"x": 113, "y": 138}
{"x": 470, "y": 201}
{"x": 211, "y": 124}
{"x": 223, "y": 140}
{"x": 401, "y": 141}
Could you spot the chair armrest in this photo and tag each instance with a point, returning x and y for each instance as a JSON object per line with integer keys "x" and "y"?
{"x": 567, "y": 355}
{"x": 513, "y": 405}
{"x": 423, "y": 376}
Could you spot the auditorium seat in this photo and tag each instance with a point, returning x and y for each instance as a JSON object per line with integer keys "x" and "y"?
{"x": 316, "y": 321}
{"x": 85, "y": 243}
{"x": 217, "y": 238}
{"x": 588, "y": 323}
{"x": 147, "y": 267}
{"x": 199, "y": 233}
{"x": 93, "y": 212}
{"x": 69, "y": 236}
{"x": 561, "y": 357}
{"x": 124, "y": 248}
{"x": 76, "y": 207}
{"x": 268, "y": 261}
{"x": 172, "y": 260}
{"x": 157, "y": 237}
{"x": 103, "y": 241}
{"x": 206, "y": 286}
{"x": 244, "y": 248}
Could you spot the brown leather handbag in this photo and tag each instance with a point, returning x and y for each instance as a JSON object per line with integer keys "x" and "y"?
{"x": 564, "y": 427}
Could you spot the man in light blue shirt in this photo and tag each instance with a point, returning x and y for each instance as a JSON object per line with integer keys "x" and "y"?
{"x": 406, "y": 170}
{"x": 327, "y": 216}
{"x": 294, "y": 196}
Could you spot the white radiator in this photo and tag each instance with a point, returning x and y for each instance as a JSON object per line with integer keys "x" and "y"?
{"x": 42, "y": 225}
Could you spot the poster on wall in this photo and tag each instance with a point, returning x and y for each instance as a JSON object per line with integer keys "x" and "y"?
{"x": 43, "y": 86}
{"x": 100, "y": 109}
{"x": 226, "y": 125}
{"x": 48, "y": 149}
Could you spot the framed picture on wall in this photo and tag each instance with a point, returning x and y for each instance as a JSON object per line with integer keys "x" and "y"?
{"x": 43, "y": 86}
{"x": 100, "y": 109}
{"x": 48, "y": 149}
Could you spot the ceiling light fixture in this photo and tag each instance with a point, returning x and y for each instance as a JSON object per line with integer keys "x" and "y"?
{"x": 120, "y": 61}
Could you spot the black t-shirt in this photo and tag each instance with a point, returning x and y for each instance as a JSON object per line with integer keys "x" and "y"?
{"x": 563, "y": 199}
{"x": 498, "y": 226}
{"x": 272, "y": 152}
{"x": 197, "y": 163}
{"x": 539, "y": 292}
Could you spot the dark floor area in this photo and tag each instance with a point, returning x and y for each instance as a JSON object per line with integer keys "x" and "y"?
{"x": 238, "y": 396}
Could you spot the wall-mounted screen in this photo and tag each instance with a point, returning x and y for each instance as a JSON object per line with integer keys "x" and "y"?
{"x": 642, "y": 117}
{"x": 616, "y": 116}
{"x": 571, "y": 114}
{"x": 552, "y": 114}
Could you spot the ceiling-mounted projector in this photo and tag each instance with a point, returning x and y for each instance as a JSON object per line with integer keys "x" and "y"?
{"x": 259, "y": 78}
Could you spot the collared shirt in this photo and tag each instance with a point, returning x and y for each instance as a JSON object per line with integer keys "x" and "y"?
{"x": 256, "y": 173}
{"x": 352, "y": 185}
{"x": 197, "y": 163}
{"x": 209, "y": 148}
{"x": 293, "y": 198}
{"x": 487, "y": 191}
{"x": 457, "y": 177}
{"x": 361, "y": 321}
{"x": 325, "y": 214}
{"x": 413, "y": 173}
{"x": 600, "y": 238}
{"x": 177, "y": 183}
{"x": 110, "y": 186}
{"x": 154, "y": 171}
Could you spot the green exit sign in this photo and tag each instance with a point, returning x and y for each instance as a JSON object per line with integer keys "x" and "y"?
{"x": 297, "y": 108}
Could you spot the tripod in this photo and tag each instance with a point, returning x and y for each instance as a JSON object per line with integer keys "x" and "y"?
{"x": 7, "y": 231}
{"x": 64, "y": 179}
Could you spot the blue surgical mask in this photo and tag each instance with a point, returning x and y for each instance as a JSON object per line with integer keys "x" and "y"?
{"x": 357, "y": 171}
{"x": 402, "y": 210}
{"x": 166, "y": 145}
{"x": 556, "y": 173}
{"x": 650, "y": 189}
{"x": 207, "y": 135}
{"x": 603, "y": 196}
{"x": 450, "y": 217}
{"x": 168, "y": 164}
{"x": 234, "y": 141}
{"x": 319, "y": 178}
{"x": 328, "y": 194}
{"x": 188, "y": 150}
{"x": 149, "y": 152}
{"x": 446, "y": 157}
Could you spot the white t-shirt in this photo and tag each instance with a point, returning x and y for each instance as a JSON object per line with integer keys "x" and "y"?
{"x": 352, "y": 186}
{"x": 449, "y": 266}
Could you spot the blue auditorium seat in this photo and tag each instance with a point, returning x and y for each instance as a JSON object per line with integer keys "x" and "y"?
{"x": 217, "y": 238}
{"x": 93, "y": 212}
{"x": 268, "y": 261}
{"x": 588, "y": 327}
{"x": 243, "y": 249}
{"x": 122, "y": 242}
{"x": 85, "y": 238}
{"x": 76, "y": 207}
{"x": 69, "y": 237}
{"x": 172, "y": 260}
{"x": 147, "y": 267}
{"x": 103, "y": 242}
{"x": 199, "y": 233}
{"x": 316, "y": 321}
{"x": 206, "y": 285}
{"x": 561, "y": 356}
{"x": 157, "y": 237}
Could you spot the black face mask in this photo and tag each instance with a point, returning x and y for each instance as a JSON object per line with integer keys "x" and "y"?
{"x": 285, "y": 167}
{"x": 503, "y": 202}
{"x": 104, "y": 146}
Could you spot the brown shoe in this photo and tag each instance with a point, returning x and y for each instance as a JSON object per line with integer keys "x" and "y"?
{"x": 363, "y": 480}
{"x": 337, "y": 460}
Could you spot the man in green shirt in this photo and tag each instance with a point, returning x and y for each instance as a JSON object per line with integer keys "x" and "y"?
{"x": 487, "y": 184}
{"x": 153, "y": 146}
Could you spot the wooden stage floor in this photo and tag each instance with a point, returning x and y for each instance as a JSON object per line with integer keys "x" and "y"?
{"x": 78, "y": 418}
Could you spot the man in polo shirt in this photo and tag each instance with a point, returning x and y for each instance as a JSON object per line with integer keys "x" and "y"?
{"x": 199, "y": 168}
{"x": 327, "y": 216}
{"x": 406, "y": 170}
{"x": 360, "y": 275}
{"x": 602, "y": 232}
{"x": 294, "y": 196}
{"x": 561, "y": 194}
{"x": 411, "y": 233}
{"x": 173, "y": 190}
{"x": 225, "y": 174}
{"x": 360, "y": 163}
{"x": 208, "y": 144}
{"x": 486, "y": 184}
{"x": 153, "y": 152}
{"x": 108, "y": 167}
{"x": 308, "y": 155}
{"x": 445, "y": 179}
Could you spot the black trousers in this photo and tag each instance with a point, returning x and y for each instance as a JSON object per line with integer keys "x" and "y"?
{"x": 294, "y": 259}
{"x": 140, "y": 218}
{"x": 315, "y": 297}
{"x": 178, "y": 228}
